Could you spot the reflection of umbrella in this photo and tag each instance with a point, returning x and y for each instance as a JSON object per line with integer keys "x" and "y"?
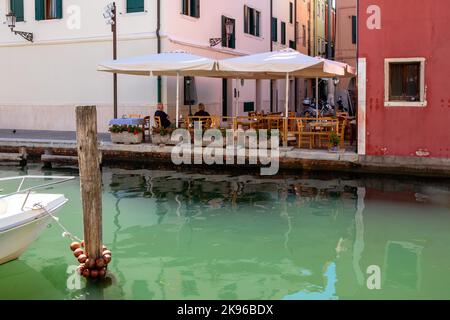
{"x": 163, "y": 64}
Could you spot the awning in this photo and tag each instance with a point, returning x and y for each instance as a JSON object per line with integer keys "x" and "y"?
{"x": 176, "y": 63}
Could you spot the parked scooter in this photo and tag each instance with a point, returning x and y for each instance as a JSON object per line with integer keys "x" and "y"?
{"x": 309, "y": 109}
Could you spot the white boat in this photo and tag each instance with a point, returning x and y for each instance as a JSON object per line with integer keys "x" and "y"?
{"x": 24, "y": 214}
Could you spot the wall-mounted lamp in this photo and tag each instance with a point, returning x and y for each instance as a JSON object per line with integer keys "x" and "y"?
{"x": 229, "y": 30}
{"x": 11, "y": 20}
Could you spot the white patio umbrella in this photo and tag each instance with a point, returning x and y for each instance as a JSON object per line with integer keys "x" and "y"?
{"x": 284, "y": 63}
{"x": 177, "y": 63}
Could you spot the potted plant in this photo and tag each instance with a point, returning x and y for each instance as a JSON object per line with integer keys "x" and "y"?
{"x": 161, "y": 135}
{"x": 126, "y": 134}
{"x": 334, "y": 142}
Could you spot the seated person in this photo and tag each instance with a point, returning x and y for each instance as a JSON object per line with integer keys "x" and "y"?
{"x": 165, "y": 122}
{"x": 201, "y": 111}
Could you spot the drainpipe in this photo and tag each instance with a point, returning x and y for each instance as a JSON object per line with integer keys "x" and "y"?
{"x": 271, "y": 49}
{"x": 295, "y": 38}
{"x": 314, "y": 13}
{"x": 158, "y": 37}
{"x": 330, "y": 29}
{"x": 309, "y": 29}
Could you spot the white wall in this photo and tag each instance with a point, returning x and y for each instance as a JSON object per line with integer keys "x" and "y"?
{"x": 42, "y": 82}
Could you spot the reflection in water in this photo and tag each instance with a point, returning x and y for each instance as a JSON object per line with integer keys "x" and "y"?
{"x": 329, "y": 292}
{"x": 193, "y": 236}
{"x": 358, "y": 247}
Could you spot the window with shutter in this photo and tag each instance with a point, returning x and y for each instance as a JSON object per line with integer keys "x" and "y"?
{"x": 16, "y": 6}
{"x": 405, "y": 82}
{"x": 252, "y": 20}
{"x": 135, "y": 6}
{"x": 190, "y": 8}
{"x": 274, "y": 29}
{"x": 228, "y": 41}
{"x": 48, "y": 9}
{"x": 283, "y": 32}
{"x": 354, "y": 29}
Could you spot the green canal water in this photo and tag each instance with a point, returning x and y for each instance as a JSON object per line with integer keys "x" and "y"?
{"x": 201, "y": 236}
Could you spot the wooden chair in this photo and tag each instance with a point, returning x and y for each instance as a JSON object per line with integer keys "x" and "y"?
{"x": 134, "y": 116}
{"x": 341, "y": 130}
{"x": 215, "y": 122}
{"x": 158, "y": 122}
{"x": 304, "y": 133}
{"x": 342, "y": 114}
{"x": 205, "y": 122}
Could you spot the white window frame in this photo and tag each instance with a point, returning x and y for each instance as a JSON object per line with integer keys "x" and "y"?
{"x": 422, "y": 89}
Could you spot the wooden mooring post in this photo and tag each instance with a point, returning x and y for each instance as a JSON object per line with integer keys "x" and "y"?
{"x": 90, "y": 179}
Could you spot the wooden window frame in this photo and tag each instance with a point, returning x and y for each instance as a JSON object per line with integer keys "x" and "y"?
{"x": 42, "y": 14}
{"x": 422, "y": 86}
{"x": 248, "y": 28}
{"x": 188, "y": 12}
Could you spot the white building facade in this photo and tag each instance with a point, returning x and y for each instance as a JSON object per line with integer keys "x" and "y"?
{"x": 42, "y": 82}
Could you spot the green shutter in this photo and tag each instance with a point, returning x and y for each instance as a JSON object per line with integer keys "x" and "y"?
{"x": 195, "y": 5}
{"x": 354, "y": 29}
{"x": 251, "y": 23}
{"x": 283, "y": 32}
{"x": 258, "y": 21}
{"x": 233, "y": 36}
{"x": 59, "y": 9}
{"x": 274, "y": 29}
{"x": 17, "y": 8}
{"x": 135, "y": 6}
{"x": 39, "y": 9}
{"x": 291, "y": 12}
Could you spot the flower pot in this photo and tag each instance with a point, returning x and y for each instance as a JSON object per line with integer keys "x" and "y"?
{"x": 126, "y": 137}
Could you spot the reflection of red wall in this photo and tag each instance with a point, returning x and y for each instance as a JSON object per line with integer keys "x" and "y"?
{"x": 394, "y": 196}
{"x": 409, "y": 28}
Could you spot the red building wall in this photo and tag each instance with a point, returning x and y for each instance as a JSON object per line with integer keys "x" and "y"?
{"x": 409, "y": 29}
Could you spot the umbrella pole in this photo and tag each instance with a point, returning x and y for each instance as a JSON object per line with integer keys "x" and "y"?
{"x": 178, "y": 100}
{"x": 236, "y": 105}
{"x": 287, "y": 112}
{"x": 317, "y": 97}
